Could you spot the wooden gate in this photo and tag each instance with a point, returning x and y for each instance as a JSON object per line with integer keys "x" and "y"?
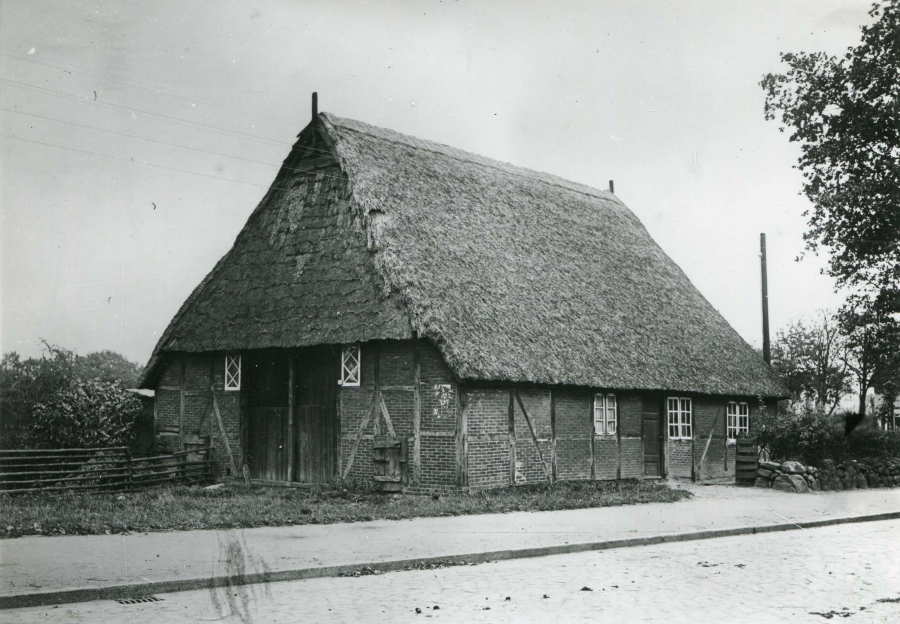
{"x": 390, "y": 459}
{"x": 746, "y": 461}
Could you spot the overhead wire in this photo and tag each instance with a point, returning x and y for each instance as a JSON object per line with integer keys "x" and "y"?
{"x": 133, "y": 136}
{"x": 176, "y": 120}
{"x": 149, "y": 89}
{"x": 137, "y": 162}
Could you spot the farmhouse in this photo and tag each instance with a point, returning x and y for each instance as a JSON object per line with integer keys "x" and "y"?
{"x": 399, "y": 310}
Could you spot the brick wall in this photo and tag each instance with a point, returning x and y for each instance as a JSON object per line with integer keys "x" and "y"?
{"x": 488, "y": 437}
{"x": 200, "y": 371}
{"x": 438, "y": 401}
{"x": 573, "y": 434}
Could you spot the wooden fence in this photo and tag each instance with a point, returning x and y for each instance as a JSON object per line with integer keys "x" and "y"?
{"x": 746, "y": 460}
{"x": 98, "y": 469}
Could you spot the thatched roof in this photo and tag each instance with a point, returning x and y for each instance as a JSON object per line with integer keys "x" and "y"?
{"x": 515, "y": 275}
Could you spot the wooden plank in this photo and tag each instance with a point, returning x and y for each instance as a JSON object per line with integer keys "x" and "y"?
{"x": 417, "y": 414}
{"x": 534, "y": 439}
{"x": 359, "y": 434}
{"x": 387, "y": 416}
{"x": 398, "y": 388}
{"x": 290, "y": 424}
{"x": 234, "y": 470}
{"x": 461, "y": 437}
{"x": 553, "y": 460}
{"x": 591, "y": 421}
{"x": 181, "y": 402}
{"x": 709, "y": 440}
{"x": 511, "y": 417}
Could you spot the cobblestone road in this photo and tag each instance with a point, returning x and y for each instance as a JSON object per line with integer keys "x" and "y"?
{"x": 848, "y": 571}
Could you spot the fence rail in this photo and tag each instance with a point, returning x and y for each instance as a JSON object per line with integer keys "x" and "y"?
{"x": 101, "y": 469}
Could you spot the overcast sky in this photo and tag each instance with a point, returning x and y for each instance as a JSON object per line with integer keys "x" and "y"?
{"x": 103, "y": 240}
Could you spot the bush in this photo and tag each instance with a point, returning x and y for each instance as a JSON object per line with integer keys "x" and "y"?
{"x": 811, "y": 436}
{"x": 87, "y": 414}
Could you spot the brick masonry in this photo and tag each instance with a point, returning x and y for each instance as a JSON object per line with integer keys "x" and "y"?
{"x": 485, "y": 434}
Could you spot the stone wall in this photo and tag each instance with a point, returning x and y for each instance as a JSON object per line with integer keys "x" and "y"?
{"x": 793, "y": 476}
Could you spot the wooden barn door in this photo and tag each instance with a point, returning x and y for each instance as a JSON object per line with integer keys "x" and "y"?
{"x": 315, "y": 414}
{"x": 266, "y": 379}
{"x": 651, "y": 435}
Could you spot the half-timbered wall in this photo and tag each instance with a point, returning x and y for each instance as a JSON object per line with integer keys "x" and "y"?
{"x": 182, "y": 398}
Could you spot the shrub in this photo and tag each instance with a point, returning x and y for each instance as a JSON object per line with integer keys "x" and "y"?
{"x": 87, "y": 414}
{"x": 811, "y": 436}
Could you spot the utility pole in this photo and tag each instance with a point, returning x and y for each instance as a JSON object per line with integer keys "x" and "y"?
{"x": 767, "y": 353}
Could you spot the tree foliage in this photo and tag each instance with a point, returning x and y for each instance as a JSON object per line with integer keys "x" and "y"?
{"x": 86, "y": 414}
{"x": 845, "y": 114}
{"x": 872, "y": 347}
{"x": 25, "y": 384}
{"x": 809, "y": 359}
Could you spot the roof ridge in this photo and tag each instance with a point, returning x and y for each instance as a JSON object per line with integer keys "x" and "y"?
{"x": 474, "y": 159}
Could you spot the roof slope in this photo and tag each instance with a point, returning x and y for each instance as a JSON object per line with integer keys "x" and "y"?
{"x": 522, "y": 276}
{"x": 515, "y": 275}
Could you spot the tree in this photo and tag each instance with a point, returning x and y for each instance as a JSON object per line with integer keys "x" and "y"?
{"x": 86, "y": 414}
{"x": 26, "y": 383}
{"x": 808, "y": 359}
{"x": 872, "y": 344}
{"x": 845, "y": 114}
{"x": 108, "y": 366}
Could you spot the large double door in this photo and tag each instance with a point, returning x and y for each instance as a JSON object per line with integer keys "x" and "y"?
{"x": 292, "y": 414}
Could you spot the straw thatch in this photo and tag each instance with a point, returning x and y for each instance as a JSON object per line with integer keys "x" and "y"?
{"x": 515, "y": 275}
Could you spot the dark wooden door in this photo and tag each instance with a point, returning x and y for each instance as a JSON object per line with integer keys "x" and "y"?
{"x": 266, "y": 380}
{"x": 650, "y": 436}
{"x": 315, "y": 414}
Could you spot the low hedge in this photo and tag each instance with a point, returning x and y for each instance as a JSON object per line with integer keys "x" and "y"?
{"x": 811, "y": 436}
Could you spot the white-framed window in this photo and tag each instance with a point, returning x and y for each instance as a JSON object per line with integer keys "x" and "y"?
{"x": 605, "y": 414}
{"x": 232, "y": 371}
{"x": 350, "y": 365}
{"x": 738, "y": 415}
{"x": 679, "y": 410}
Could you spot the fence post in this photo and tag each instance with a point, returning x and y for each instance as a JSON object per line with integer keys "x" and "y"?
{"x": 129, "y": 484}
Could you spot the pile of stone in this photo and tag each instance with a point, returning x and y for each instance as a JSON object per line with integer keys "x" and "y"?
{"x": 791, "y": 476}
{"x": 854, "y": 474}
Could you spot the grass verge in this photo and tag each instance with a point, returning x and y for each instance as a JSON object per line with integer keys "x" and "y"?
{"x": 236, "y": 506}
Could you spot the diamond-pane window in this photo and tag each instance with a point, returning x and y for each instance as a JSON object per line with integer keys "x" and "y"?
{"x": 232, "y": 371}
{"x": 350, "y": 367}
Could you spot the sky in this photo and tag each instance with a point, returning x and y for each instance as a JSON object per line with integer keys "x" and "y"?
{"x": 138, "y": 137}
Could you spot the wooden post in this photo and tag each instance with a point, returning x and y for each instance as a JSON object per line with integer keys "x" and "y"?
{"x": 377, "y": 379}
{"x": 512, "y": 440}
{"x": 130, "y": 478}
{"x": 290, "y": 432}
{"x": 181, "y": 401}
{"x": 155, "y": 416}
{"x": 767, "y": 354}
{"x": 534, "y": 438}
{"x": 234, "y": 470}
{"x": 619, "y": 439}
{"x": 591, "y": 422}
{"x": 244, "y": 415}
{"x": 417, "y": 414}
{"x": 553, "y": 436}
{"x": 462, "y": 451}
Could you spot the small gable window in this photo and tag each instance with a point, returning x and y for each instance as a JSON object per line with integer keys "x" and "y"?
{"x": 679, "y": 411}
{"x": 232, "y": 371}
{"x": 605, "y": 414}
{"x": 350, "y": 365}
{"x": 738, "y": 419}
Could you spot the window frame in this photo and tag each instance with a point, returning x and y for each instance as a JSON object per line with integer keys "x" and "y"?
{"x": 602, "y": 406}
{"x": 351, "y": 376}
{"x": 738, "y": 420}
{"x": 683, "y": 423}
{"x": 232, "y": 382}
